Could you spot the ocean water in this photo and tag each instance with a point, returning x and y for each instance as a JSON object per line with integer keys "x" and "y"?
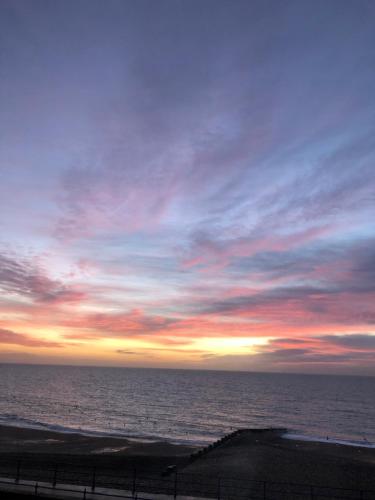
{"x": 185, "y": 406}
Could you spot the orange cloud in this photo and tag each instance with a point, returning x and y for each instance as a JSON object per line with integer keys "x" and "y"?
{"x": 13, "y": 338}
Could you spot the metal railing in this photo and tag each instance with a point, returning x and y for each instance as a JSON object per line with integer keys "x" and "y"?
{"x": 132, "y": 483}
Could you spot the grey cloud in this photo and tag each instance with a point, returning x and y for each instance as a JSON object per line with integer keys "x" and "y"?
{"x": 355, "y": 276}
{"x": 360, "y": 341}
{"x": 291, "y": 341}
{"x": 204, "y": 115}
{"x": 23, "y": 277}
{"x": 275, "y": 296}
{"x": 302, "y": 356}
{"x": 359, "y": 347}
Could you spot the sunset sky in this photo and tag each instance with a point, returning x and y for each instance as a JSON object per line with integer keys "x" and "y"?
{"x": 188, "y": 184}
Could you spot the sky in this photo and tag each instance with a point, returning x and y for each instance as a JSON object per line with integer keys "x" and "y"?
{"x": 188, "y": 184}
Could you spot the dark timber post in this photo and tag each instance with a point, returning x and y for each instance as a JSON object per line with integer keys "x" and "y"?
{"x": 84, "y": 494}
{"x": 18, "y": 471}
{"x": 54, "y": 477}
{"x": 175, "y": 485}
{"x": 36, "y": 489}
{"x": 93, "y": 479}
{"x": 134, "y": 481}
{"x": 218, "y": 488}
{"x": 264, "y": 490}
{"x": 312, "y": 492}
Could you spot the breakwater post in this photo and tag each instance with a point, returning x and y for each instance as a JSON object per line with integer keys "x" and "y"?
{"x": 199, "y": 453}
{"x": 18, "y": 471}
{"x": 93, "y": 484}
{"x": 54, "y": 480}
{"x": 203, "y": 451}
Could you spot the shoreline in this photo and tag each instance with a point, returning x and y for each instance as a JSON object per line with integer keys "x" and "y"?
{"x": 292, "y": 436}
{"x": 289, "y": 434}
{"x": 257, "y": 454}
{"x": 58, "y": 429}
{"x": 17, "y": 439}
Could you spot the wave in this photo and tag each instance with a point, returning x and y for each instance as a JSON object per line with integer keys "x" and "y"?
{"x": 319, "y": 439}
{"x": 26, "y": 423}
{"x": 13, "y": 420}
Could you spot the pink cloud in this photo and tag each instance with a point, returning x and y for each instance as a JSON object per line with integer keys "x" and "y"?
{"x": 216, "y": 254}
{"x": 24, "y": 277}
{"x": 13, "y": 338}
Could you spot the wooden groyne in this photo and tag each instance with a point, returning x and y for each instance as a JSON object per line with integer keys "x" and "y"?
{"x": 228, "y": 437}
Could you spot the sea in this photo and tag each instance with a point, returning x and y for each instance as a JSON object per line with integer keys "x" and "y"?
{"x": 186, "y": 406}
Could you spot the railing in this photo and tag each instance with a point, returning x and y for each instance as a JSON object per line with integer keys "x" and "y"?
{"x": 131, "y": 484}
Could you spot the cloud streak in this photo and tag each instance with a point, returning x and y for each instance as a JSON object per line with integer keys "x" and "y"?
{"x": 22, "y": 277}
{"x": 13, "y": 338}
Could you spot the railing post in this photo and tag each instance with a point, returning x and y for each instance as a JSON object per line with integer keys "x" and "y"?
{"x": 36, "y": 489}
{"x": 134, "y": 481}
{"x": 218, "y": 488}
{"x": 84, "y": 494}
{"x": 93, "y": 484}
{"x": 54, "y": 477}
{"x": 361, "y": 497}
{"x": 175, "y": 486}
{"x": 18, "y": 472}
{"x": 312, "y": 492}
{"x": 264, "y": 490}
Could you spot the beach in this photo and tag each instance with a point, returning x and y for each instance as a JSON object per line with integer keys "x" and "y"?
{"x": 256, "y": 455}
{"x": 269, "y": 456}
{"x": 34, "y": 446}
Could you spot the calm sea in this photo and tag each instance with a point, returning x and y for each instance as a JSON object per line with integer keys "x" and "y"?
{"x": 185, "y": 406}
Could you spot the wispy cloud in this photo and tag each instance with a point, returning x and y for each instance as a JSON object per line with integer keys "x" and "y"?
{"x": 23, "y": 277}
{"x": 13, "y": 338}
{"x": 354, "y": 347}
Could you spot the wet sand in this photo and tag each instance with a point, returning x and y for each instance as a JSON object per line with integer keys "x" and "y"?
{"x": 21, "y": 440}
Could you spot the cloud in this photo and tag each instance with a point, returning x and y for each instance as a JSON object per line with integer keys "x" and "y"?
{"x": 293, "y": 341}
{"x": 132, "y": 323}
{"x": 325, "y": 284}
{"x": 23, "y": 277}
{"x": 320, "y": 349}
{"x": 208, "y": 251}
{"x": 165, "y": 330}
{"x": 13, "y": 338}
{"x": 222, "y": 147}
{"x": 307, "y": 356}
{"x": 315, "y": 354}
{"x": 148, "y": 351}
{"x": 278, "y": 302}
{"x": 355, "y": 341}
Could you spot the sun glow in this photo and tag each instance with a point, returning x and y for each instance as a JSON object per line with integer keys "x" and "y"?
{"x": 228, "y": 345}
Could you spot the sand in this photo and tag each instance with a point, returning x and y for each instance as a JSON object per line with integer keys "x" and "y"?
{"x": 267, "y": 456}
{"x": 23, "y": 441}
{"x": 260, "y": 456}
